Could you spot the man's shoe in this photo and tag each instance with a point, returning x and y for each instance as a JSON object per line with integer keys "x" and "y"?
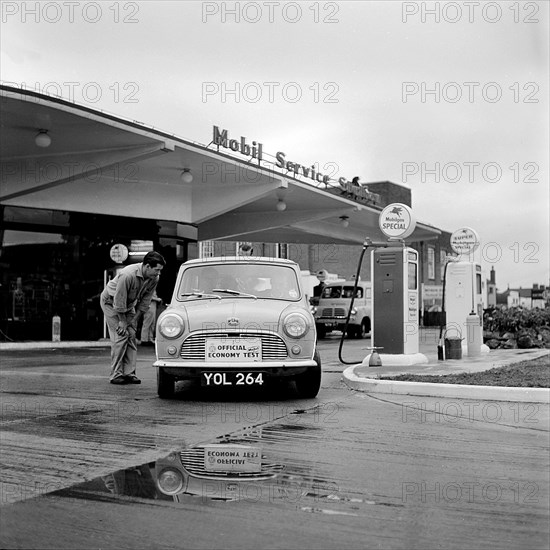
{"x": 119, "y": 380}
{"x": 130, "y": 379}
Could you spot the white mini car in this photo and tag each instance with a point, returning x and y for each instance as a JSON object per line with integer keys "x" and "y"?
{"x": 235, "y": 322}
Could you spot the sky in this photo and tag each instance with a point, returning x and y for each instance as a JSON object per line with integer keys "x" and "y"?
{"x": 449, "y": 99}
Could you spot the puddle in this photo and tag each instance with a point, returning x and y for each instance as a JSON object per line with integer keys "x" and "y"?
{"x": 245, "y": 467}
{"x": 241, "y": 467}
{"x": 220, "y": 471}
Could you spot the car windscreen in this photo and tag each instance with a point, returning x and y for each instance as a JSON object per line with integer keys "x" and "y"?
{"x": 232, "y": 279}
{"x": 333, "y": 292}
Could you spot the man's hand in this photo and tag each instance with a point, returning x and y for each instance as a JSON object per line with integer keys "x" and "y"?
{"x": 121, "y": 328}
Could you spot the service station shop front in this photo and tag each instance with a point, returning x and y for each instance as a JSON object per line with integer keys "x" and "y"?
{"x": 79, "y": 185}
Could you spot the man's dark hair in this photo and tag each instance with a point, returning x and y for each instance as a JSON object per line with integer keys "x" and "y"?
{"x": 153, "y": 259}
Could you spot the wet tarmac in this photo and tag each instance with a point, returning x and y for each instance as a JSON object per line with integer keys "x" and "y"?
{"x": 89, "y": 465}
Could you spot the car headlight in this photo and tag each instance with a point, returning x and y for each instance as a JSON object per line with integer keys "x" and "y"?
{"x": 171, "y": 326}
{"x": 170, "y": 481}
{"x": 353, "y": 311}
{"x": 295, "y": 325}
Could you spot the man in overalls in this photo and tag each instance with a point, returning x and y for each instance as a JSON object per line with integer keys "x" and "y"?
{"x": 123, "y": 301}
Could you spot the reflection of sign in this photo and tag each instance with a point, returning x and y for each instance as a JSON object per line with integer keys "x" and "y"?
{"x": 464, "y": 240}
{"x": 119, "y": 253}
{"x": 232, "y": 458}
{"x": 397, "y": 221}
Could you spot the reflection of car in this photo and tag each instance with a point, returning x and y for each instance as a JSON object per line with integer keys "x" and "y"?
{"x": 333, "y": 307}
{"x": 219, "y": 471}
{"x": 235, "y": 321}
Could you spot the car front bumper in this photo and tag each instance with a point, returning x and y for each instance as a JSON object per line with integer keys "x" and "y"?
{"x": 237, "y": 365}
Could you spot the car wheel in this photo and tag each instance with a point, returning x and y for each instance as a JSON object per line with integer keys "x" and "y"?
{"x": 363, "y": 330}
{"x": 366, "y": 322}
{"x": 308, "y": 384}
{"x": 165, "y": 384}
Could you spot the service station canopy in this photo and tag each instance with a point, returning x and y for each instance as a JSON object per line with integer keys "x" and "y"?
{"x": 99, "y": 163}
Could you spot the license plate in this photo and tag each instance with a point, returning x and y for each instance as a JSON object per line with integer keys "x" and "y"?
{"x": 229, "y": 350}
{"x": 232, "y": 379}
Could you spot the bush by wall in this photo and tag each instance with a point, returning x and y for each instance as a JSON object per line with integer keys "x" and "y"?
{"x": 517, "y": 327}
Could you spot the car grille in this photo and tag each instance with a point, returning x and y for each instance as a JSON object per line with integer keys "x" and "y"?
{"x": 273, "y": 347}
{"x": 193, "y": 461}
{"x": 333, "y": 312}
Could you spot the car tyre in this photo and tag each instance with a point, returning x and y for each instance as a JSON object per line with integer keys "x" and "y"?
{"x": 308, "y": 384}
{"x": 165, "y": 384}
{"x": 363, "y": 329}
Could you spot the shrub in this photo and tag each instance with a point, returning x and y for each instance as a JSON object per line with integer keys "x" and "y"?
{"x": 529, "y": 326}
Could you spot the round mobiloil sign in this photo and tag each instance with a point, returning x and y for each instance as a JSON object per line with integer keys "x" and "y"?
{"x": 396, "y": 221}
{"x": 464, "y": 240}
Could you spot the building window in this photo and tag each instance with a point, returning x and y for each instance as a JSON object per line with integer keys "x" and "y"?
{"x": 431, "y": 263}
{"x": 206, "y": 249}
{"x": 282, "y": 250}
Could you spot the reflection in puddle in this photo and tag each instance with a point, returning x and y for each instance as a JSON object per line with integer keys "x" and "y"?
{"x": 218, "y": 471}
{"x": 227, "y": 471}
{"x": 239, "y": 467}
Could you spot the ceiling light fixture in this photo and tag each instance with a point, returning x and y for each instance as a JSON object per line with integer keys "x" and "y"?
{"x": 42, "y": 139}
{"x": 344, "y": 221}
{"x": 281, "y": 204}
{"x": 186, "y": 176}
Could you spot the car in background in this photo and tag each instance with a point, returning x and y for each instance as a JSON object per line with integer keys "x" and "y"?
{"x": 334, "y": 304}
{"x": 237, "y": 322}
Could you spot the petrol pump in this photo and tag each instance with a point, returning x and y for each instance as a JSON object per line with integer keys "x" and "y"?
{"x": 395, "y": 299}
{"x": 394, "y": 277}
{"x": 463, "y": 294}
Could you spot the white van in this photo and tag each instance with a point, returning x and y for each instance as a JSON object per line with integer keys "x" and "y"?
{"x": 332, "y": 311}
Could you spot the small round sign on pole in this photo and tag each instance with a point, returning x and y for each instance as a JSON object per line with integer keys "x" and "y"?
{"x": 119, "y": 253}
{"x": 397, "y": 221}
{"x": 464, "y": 241}
{"x": 322, "y": 275}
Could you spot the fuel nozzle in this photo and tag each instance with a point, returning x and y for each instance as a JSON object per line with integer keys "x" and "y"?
{"x": 368, "y": 242}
